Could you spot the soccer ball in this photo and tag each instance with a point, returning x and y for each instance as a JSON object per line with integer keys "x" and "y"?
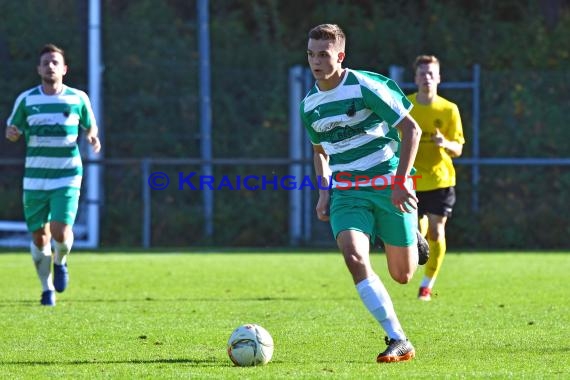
{"x": 250, "y": 345}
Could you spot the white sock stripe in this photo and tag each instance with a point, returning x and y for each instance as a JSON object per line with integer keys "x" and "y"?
{"x": 375, "y": 297}
{"x": 38, "y": 253}
{"x": 42, "y": 261}
{"x": 367, "y": 281}
{"x": 64, "y": 247}
{"x": 62, "y": 250}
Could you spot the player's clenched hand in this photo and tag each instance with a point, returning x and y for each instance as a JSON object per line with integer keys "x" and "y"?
{"x": 439, "y": 139}
{"x": 323, "y": 209}
{"x": 13, "y": 133}
{"x": 403, "y": 199}
{"x": 94, "y": 141}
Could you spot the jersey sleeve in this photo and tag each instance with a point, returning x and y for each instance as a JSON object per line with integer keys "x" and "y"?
{"x": 385, "y": 98}
{"x": 86, "y": 115}
{"x": 18, "y": 117}
{"x": 455, "y": 131}
{"x": 313, "y": 136}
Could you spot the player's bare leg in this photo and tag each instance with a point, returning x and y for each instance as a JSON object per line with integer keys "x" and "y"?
{"x": 40, "y": 249}
{"x": 63, "y": 237}
{"x": 355, "y": 247}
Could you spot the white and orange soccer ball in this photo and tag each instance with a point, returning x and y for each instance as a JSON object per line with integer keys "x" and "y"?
{"x": 250, "y": 345}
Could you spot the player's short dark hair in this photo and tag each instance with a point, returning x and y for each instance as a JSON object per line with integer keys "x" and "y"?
{"x": 425, "y": 59}
{"x": 51, "y": 48}
{"x": 330, "y": 32}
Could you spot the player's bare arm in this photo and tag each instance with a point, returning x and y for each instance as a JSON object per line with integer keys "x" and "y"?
{"x": 322, "y": 171}
{"x": 453, "y": 148}
{"x": 13, "y": 133}
{"x": 403, "y": 197}
{"x": 93, "y": 139}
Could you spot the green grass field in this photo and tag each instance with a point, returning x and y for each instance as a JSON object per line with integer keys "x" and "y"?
{"x": 169, "y": 315}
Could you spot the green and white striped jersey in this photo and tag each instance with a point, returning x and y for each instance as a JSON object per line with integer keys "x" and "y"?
{"x": 50, "y": 124}
{"x": 355, "y": 124}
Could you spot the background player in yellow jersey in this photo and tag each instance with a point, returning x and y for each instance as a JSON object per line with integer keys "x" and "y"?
{"x": 442, "y": 139}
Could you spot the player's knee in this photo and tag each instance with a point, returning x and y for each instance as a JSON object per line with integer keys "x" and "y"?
{"x": 40, "y": 252}
{"x": 402, "y": 277}
{"x": 41, "y": 239}
{"x": 357, "y": 267}
{"x": 62, "y": 233}
{"x": 352, "y": 258}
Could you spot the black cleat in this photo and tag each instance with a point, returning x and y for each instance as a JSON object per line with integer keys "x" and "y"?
{"x": 423, "y": 249}
{"x": 397, "y": 351}
{"x": 379, "y": 244}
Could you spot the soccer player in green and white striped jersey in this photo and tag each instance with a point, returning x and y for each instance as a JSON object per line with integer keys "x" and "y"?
{"x": 49, "y": 116}
{"x": 354, "y": 120}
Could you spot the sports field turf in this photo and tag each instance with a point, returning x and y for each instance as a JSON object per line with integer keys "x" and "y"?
{"x": 169, "y": 315}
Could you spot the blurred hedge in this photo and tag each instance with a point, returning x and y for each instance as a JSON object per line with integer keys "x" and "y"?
{"x": 151, "y": 103}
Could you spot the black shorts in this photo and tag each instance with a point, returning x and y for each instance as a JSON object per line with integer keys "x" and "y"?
{"x": 437, "y": 202}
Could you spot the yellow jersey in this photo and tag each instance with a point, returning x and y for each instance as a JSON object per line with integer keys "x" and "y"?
{"x": 434, "y": 164}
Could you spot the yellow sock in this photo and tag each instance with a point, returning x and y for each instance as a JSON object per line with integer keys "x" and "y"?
{"x": 423, "y": 224}
{"x": 436, "y": 254}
